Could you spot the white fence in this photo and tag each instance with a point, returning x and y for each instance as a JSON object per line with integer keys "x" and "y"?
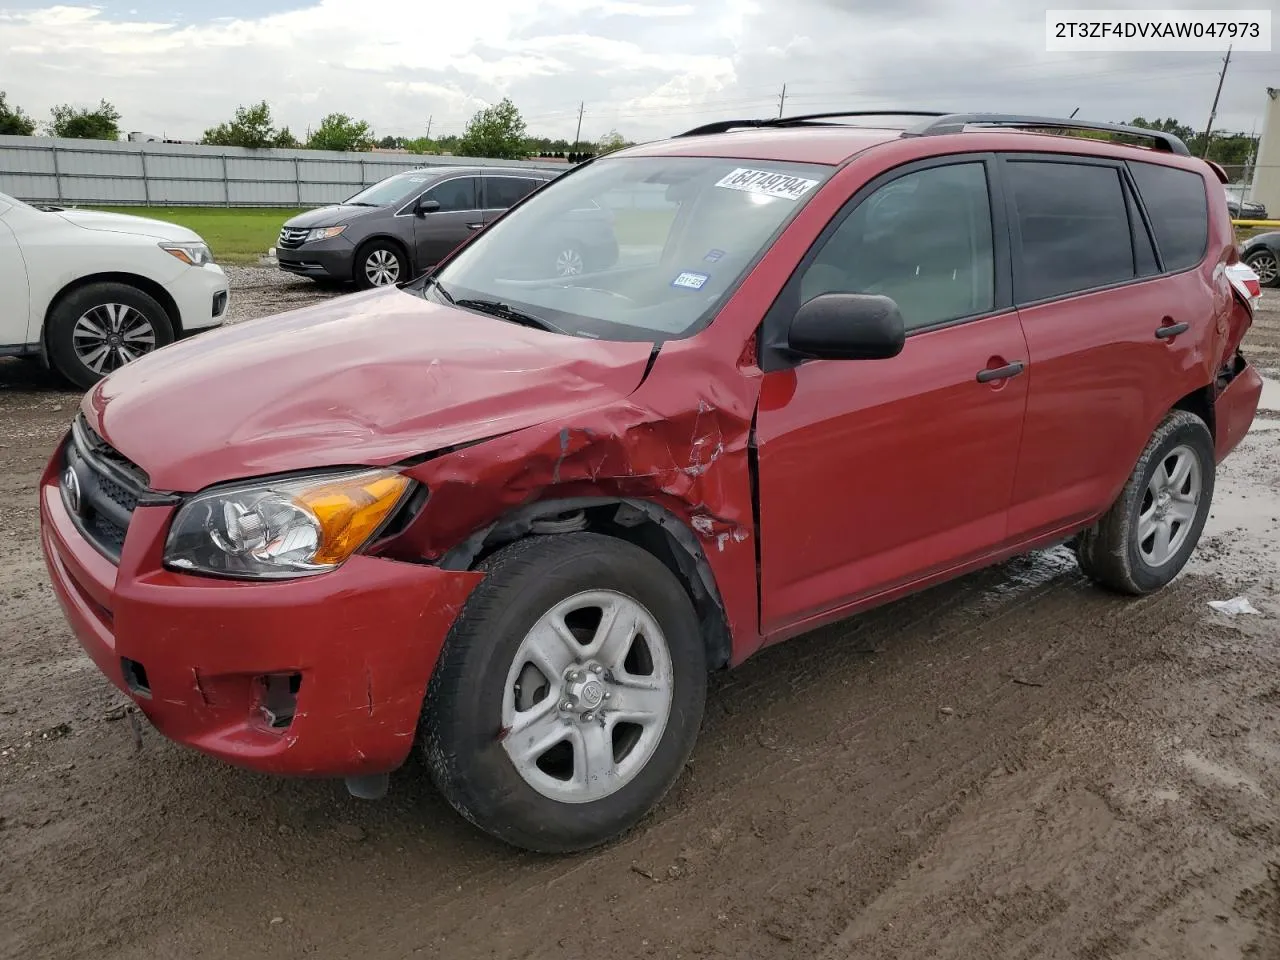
{"x": 104, "y": 172}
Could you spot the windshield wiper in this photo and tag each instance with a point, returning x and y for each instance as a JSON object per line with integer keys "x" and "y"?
{"x": 506, "y": 312}
{"x": 431, "y": 281}
{"x": 360, "y": 203}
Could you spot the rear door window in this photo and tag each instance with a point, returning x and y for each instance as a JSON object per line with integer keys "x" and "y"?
{"x": 503, "y": 192}
{"x": 1178, "y": 207}
{"x": 1074, "y": 224}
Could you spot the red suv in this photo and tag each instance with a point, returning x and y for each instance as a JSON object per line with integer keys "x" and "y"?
{"x": 515, "y": 517}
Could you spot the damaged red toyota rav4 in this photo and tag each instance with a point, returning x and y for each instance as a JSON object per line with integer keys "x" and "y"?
{"x": 512, "y": 518}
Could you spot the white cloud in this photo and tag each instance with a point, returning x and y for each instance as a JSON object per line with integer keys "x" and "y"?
{"x": 646, "y": 67}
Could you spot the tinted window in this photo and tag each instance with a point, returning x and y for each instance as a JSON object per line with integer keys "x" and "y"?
{"x": 1178, "y": 207}
{"x": 924, "y": 240}
{"x": 452, "y": 195}
{"x": 503, "y": 192}
{"x": 1075, "y": 228}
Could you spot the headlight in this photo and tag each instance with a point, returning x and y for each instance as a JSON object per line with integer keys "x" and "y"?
{"x": 324, "y": 233}
{"x": 282, "y": 528}
{"x": 193, "y": 254}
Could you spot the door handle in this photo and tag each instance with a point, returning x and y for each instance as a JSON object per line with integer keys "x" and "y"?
{"x": 1000, "y": 373}
{"x": 1171, "y": 330}
{"x": 474, "y": 226}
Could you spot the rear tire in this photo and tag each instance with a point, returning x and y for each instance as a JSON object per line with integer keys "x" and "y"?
{"x": 1266, "y": 265}
{"x": 595, "y": 728}
{"x": 1150, "y": 532}
{"x": 101, "y": 327}
{"x": 380, "y": 263}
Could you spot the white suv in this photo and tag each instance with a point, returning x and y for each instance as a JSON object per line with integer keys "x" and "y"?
{"x": 88, "y": 292}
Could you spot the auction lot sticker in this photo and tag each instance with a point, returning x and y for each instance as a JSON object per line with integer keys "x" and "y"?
{"x": 767, "y": 183}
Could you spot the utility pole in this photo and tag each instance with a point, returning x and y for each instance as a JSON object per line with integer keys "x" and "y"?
{"x": 1213, "y": 111}
{"x": 429, "y": 119}
{"x": 782, "y": 101}
{"x": 582, "y": 105}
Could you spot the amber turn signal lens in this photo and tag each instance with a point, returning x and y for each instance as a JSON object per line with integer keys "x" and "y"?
{"x": 350, "y": 511}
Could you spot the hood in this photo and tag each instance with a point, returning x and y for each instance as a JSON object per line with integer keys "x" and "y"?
{"x": 331, "y": 216}
{"x": 365, "y": 379}
{"x": 124, "y": 223}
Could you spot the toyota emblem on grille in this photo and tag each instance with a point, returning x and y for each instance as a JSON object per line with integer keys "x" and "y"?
{"x": 71, "y": 486}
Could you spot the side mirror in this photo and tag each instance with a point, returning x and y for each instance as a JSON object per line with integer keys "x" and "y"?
{"x": 847, "y": 326}
{"x": 426, "y": 206}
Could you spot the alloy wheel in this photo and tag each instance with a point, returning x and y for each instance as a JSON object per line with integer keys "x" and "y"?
{"x": 110, "y": 335}
{"x": 1169, "y": 506}
{"x": 588, "y": 697}
{"x": 569, "y": 263}
{"x": 1266, "y": 267}
{"x": 382, "y": 267}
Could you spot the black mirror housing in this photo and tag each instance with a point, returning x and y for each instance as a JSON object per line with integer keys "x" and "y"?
{"x": 847, "y": 326}
{"x": 426, "y": 206}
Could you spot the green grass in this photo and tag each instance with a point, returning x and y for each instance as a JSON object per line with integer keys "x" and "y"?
{"x": 235, "y": 234}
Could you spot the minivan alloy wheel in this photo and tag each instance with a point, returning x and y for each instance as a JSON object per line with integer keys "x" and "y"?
{"x": 110, "y": 335}
{"x": 382, "y": 267}
{"x": 1169, "y": 506}
{"x": 588, "y": 697}
{"x": 569, "y": 262}
{"x": 1266, "y": 267}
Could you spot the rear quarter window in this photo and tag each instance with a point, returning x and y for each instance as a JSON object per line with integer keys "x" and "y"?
{"x": 1178, "y": 208}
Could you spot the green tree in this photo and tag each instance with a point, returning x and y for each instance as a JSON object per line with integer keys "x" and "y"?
{"x": 13, "y": 121}
{"x": 251, "y": 127}
{"x": 497, "y": 131}
{"x": 610, "y": 142}
{"x": 337, "y": 131}
{"x": 81, "y": 123}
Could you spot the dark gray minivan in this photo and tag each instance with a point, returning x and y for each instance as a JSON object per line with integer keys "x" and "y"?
{"x": 394, "y": 230}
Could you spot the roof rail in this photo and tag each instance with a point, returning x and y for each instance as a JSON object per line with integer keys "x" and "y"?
{"x": 724, "y": 126}
{"x": 956, "y": 122}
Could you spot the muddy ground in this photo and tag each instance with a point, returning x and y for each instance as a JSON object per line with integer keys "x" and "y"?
{"x": 1014, "y": 765}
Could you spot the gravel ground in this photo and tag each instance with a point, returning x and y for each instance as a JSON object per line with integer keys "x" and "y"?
{"x": 1013, "y": 765}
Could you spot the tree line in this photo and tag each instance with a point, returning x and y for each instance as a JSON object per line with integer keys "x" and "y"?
{"x": 498, "y": 131}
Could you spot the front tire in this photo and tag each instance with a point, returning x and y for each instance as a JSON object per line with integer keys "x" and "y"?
{"x": 380, "y": 263}
{"x": 569, "y": 693}
{"x": 101, "y": 327}
{"x": 1149, "y": 533}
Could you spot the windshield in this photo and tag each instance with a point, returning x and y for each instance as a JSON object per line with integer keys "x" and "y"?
{"x": 632, "y": 248}
{"x": 389, "y": 191}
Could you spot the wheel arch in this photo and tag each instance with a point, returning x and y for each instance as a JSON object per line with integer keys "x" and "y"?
{"x": 388, "y": 238}
{"x": 1200, "y": 403}
{"x": 644, "y": 523}
{"x": 148, "y": 286}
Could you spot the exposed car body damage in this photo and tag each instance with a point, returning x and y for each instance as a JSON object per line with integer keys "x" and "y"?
{"x": 667, "y": 455}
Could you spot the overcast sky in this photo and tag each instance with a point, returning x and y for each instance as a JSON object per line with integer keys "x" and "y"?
{"x": 648, "y": 68}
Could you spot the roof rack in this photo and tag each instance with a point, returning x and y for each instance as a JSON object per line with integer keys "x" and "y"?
{"x": 724, "y": 126}
{"x": 956, "y": 122}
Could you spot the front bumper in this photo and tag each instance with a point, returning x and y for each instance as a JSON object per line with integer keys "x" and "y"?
{"x": 362, "y": 642}
{"x": 202, "y": 295}
{"x": 323, "y": 260}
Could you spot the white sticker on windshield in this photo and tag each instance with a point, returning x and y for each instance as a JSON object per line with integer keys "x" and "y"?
{"x": 767, "y": 183}
{"x": 690, "y": 280}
